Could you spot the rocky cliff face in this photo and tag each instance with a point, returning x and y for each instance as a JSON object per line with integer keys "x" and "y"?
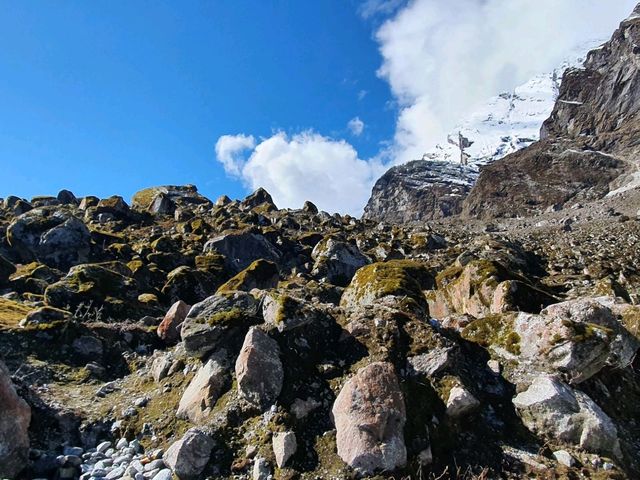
{"x": 420, "y": 191}
{"x": 589, "y": 144}
{"x": 436, "y": 186}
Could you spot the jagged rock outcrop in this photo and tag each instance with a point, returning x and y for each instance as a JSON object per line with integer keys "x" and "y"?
{"x": 588, "y": 146}
{"x": 420, "y": 191}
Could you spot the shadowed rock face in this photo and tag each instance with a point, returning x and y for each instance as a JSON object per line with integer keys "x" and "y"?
{"x": 589, "y": 141}
{"x": 14, "y": 422}
{"x": 600, "y": 103}
{"x": 419, "y": 191}
{"x": 545, "y": 174}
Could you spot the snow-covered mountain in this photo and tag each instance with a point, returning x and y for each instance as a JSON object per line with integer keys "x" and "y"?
{"x": 509, "y": 121}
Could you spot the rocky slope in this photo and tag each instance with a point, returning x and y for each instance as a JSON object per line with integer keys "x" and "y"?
{"x": 179, "y": 336}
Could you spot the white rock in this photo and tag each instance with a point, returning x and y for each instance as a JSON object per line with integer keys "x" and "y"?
{"x": 284, "y": 446}
{"x": 103, "y": 447}
{"x": 554, "y": 410}
{"x": 461, "y": 402}
{"x": 261, "y": 470}
{"x": 564, "y": 457}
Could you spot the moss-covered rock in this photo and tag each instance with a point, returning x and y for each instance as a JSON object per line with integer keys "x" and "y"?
{"x": 211, "y": 323}
{"x": 286, "y": 312}
{"x": 52, "y": 236}
{"x": 398, "y": 279}
{"x": 11, "y": 313}
{"x": 100, "y": 285}
{"x": 482, "y": 287}
{"x": 337, "y": 261}
{"x": 242, "y": 248}
{"x": 189, "y": 285}
{"x": 261, "y": 274}
{"x": 496, "y": 330}
{"x": 179, "y": 195}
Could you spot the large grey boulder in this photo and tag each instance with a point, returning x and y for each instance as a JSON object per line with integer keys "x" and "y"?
{"x": 259, "y": 370}
{"x": 369, "y": 414}
{"x": 241, "y": 249}
{"x": 188, "y": 456}
{"x": 552, "y": 409}
{"x": 337, "y": 261}
{"x": 211, "y": 320}
{"x": 14, "y": 424}
{"x": 576, "y": 338}
{"x": 54, "y": 237}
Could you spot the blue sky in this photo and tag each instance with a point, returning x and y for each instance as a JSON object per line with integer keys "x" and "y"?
{"x": 312, "y": 99}
{"x": 109, "y": 97}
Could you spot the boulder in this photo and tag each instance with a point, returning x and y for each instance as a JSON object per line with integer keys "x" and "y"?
{"x": 204, "y": 390}
{"x": 114, "y": 205}
{"x": 188, "y": 457}
{"x": 169, "y": 328}
{"x": 369, "y": 415}
{"x": 162, "y": 205}
{"x": 553, "y": 410}
{"x": 50, "y": 236}
{"x": 241, "y": 249}
{"x": 65, "y": 197}
{"x": 189, "y": 285}
{"x": 337, "y": 261}
{"x": 184, "y": 196}
{"x": 14, "y": 425}
{"x": 260, "y": 199}
{"x": 576, "y": 338}
{"x": 287, "y": 312}
{"x": 284, "y": 446}
{"x": 210, "y": 322}
{"x": 483, "y": 287}
{"x": 96, "y": 285}
{"x": 259, "y": 370}
{"x": 261, "y": 274}
{"x": 402, "y": 280}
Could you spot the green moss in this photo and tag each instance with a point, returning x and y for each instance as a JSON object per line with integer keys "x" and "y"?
{"x": 227, "y": 317}
{"x": 143, "y": 198}
{"x": 494, "y": 330}
{"x": 257, "y": 275}
{"x": 11, "y": 313}
{"x": 583, "y": 332}
{"x": 395, "y": 278}
{"x": 631, "y": 320}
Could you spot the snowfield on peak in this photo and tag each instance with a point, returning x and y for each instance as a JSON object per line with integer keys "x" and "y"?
{"x": 509, "y": 121}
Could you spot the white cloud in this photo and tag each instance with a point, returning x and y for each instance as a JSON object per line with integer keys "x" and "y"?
{"x": 309, "y": 166}
{"x": 440, "y": 59}
{"x": 229, "y": 150}
{"x": 362, "y": 94}
{"x": 443, "y": 58}
{"x": 356, "y": 126}
{"x": 371, "y": 8}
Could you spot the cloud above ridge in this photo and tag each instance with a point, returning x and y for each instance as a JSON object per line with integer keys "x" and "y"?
{"x": 440, "y": 59}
